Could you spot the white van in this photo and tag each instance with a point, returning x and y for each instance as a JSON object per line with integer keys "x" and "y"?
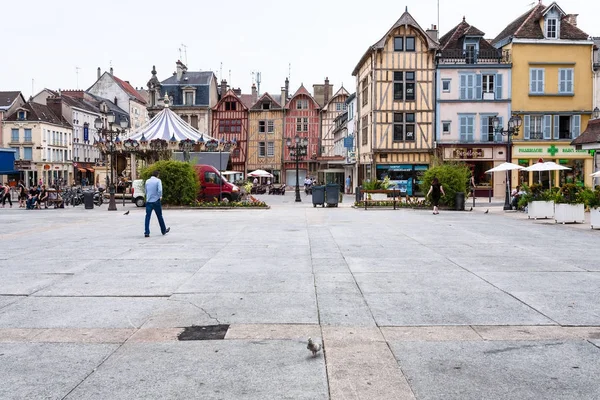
{"x": 138, "y": 193}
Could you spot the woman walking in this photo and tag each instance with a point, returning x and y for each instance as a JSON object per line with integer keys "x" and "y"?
{"x": 436, "y": 190}
{"x": 22, "y": 194}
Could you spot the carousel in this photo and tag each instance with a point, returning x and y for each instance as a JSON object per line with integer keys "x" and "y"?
{"x": 166, "y": 136}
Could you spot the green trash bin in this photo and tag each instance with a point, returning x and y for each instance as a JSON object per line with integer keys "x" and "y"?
{"x": 332, "y": 194}
{"x": 318, "y": 195}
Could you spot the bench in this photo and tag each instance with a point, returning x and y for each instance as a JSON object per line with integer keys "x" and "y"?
{"x": 54, "y": 198}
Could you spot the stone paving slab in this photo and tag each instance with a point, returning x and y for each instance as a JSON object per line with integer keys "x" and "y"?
{"x": 544, "y": 282}
{"x": 514, "y": 264}
{"x": 400, "y": 264}
{"x": 14, "y": 283}
{"x": 235, "y": 308}
{"x": 7, "y": 300}
{"x": 336, "y": 283}
{"x": 143, "y": 266}
{"x": 430, "y": 333}
{"x": 273, "y": 332}
{"x": 88, "y": 284}
{"x": 78, "y": 312}
{"x": 564, "y": 307}
{"x": 44, "y": 266}
{"x": 236, "y": 282}
{"x": 281, "y": 264}
{"x": 208, "y": 370}
{"x": 500, "y": 370}
{"x": 49, "y": 371}
{"x": 345, "y": 309}
{"x": 410, "y": 282}
{"x": 447, "y": 307}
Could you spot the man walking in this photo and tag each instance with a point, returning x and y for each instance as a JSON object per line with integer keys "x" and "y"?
{"x": 154, "y": 194}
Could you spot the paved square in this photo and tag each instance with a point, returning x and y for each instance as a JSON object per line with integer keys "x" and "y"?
{"x": 407, "y": 305}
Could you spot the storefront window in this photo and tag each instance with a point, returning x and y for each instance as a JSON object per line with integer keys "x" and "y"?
{"x": 478, "y": 169}
{"x": 574, "y": 175}
{"x": 523, "y": 175}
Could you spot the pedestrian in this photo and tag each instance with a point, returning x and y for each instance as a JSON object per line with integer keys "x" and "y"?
{"x": 349, "y": 185}
{"x": 436, "y": 190}
{"x": 22, "y": 194}
{"x": 255, "y": 182}
{"x": 154, "y": 192}
{"x": 5, "y": 195}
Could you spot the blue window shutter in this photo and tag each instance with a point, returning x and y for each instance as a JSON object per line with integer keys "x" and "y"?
{"x": 556, "y": 125}
{"x": 532, "y": 76}
{"x": 570, "y": 80}
{"x": 547, "y": 127}
{"x": 542, "y": 81}
{"x": 463, "y": 128}
{"x": 575, "y": 126}
{"x": 484, "y": 129}
{"x": 526, "y": 126}
{"x": 478, "y": 90}
{"x": 562, "y": 80}
{"x": 471, "y": 129}
{"x": 498, "y": 87}
{"x": 463, "y": 87}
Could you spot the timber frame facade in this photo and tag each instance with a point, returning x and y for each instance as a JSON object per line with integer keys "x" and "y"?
{"x": 395, "y": 86}
{"x": 333, "y": 109}
{"x": 265, "y": 136}
{"x": 230, "y": 122}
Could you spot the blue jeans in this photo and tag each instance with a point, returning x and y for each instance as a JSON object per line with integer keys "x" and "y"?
{"x": 156, "y": 206}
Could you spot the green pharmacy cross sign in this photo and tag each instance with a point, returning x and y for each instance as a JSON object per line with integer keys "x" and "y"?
{"x": 552, "y": 150}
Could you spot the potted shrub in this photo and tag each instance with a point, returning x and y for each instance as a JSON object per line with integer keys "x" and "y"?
{"x": 375, "y": 184}
{"x": 540, "y": 202}
{"x": 569, "y": 206}
{"x": 591, "y": 199}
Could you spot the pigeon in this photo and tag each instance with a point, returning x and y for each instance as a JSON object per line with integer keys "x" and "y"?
{"x": 471, "y": 209}
{"x": 313, "y": 347}
{"x": 486, "y": 211}
{"x": 126, "y": 213}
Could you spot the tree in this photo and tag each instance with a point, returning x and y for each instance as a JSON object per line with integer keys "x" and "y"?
{"x": 180, "y": 181}
{"x": 454, "y": 178}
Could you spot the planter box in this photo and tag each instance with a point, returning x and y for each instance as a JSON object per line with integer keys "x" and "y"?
{"x": 595, "y": 218}
{"x": 540, "y": 209}
{"x": 569, "y": 213}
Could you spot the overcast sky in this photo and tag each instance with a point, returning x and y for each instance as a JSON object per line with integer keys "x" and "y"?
{"x": 45, "y": 41}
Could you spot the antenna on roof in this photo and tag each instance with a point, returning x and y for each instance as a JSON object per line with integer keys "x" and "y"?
{"x": 179, "y": 49}
{"x": 77, "y": 73}
{"x": 290, "y": 71}
{"x": 258, "y": 80}
{"x": 221, "y": 72}
{"x": 230, "y": 76}
{"x": 184, "y": 52}
{"x": 32, "y": 82}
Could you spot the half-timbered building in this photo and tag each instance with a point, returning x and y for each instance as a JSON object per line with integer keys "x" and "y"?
{"x": 230, "y": 122}
{"x": 302, "y": 114}
{"x": 265, "y": 136}
{"x": 395, "y": 90}
{"x": 334, "y": 107}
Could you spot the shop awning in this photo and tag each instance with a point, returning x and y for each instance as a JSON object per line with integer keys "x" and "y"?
{"x": 82, "y": 170}
{"x": 90, "y": 169}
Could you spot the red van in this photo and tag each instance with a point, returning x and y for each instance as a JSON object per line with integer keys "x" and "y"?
{"x": 212, "y": 185}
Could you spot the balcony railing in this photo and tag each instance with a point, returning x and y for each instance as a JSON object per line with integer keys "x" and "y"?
{"x": 457, "y": 56}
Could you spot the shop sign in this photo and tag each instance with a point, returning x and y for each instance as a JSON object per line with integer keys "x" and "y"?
{"x": 552, "y": 151}
{"x": 46, "y": 167}
{"x": 467, "y": 153}
{"x": 22, "y": 164}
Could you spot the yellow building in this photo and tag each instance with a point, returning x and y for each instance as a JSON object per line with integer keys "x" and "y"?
{"x": 396, "y": 101}
{"x": 552, "y": 91}
{"x": 265, "y": 136}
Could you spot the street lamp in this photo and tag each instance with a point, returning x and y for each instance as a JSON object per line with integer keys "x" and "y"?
{"x": 596, "y": 113}
{"x": 110, "y": 140}
{"x": 297, "y": 152}
{"x": 514, "y": 123}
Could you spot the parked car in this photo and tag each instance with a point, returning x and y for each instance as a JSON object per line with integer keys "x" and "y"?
{"x": 212, "y": 185}
{"x": 138, "y": 193}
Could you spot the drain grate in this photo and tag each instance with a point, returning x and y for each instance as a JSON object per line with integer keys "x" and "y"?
{"x": 208, "y": 332}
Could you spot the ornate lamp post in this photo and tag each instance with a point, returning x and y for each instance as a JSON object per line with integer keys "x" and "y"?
{"x": 297, "y": 152}
{"x": 109, "y": 140}
{"x": 514, "y": 124}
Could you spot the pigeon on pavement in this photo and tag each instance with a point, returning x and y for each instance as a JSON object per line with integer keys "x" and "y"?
{"x": 126, "y": 213}
{"x": 313, "y": 347}
{"x": 486, "y": 211}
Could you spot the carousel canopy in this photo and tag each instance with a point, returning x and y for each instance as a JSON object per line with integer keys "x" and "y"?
{"x": 167, "y": 125}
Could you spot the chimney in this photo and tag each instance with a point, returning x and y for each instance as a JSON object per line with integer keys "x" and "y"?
{"x": 223, "y": 87}
{"x": 572, "y": 19}
{"x": 287, "y": 89}
{"x": 238, "y": 91}
{"x": 328, "y": 91}
{"x": 111, "y": 70}
{"x": 99, "y": 72}
{"x": 254, "y": 94}
{"x": 283, "y": 96}
{"x": 433, "y": 33}
{"x": 54, "y": 103}
{"x": 181, "y": 69}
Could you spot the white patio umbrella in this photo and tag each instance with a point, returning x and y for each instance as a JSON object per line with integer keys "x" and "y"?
{"x": 595, "y": 175}
{"x": 545, "y": 166}
{"x": 260, "y": 173}
{"x": 504, "y": 167}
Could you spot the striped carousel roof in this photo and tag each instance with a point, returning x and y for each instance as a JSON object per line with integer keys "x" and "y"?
{"x": 166, "y": 125}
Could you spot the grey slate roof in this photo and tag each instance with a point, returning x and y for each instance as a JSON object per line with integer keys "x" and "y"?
{"x": 39, "y": 112}
{"x": 193, "y": 78}
{"x": 7, "y": 99}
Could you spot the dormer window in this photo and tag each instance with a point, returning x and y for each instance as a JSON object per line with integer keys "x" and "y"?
{"x": 22, "y": 115}
{"x": 188, "y": 97}
{"x": 552, "y": 28}
{"x": 266, "y": 105}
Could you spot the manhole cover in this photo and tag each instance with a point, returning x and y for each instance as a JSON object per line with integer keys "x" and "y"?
{"x": 208, "y": 332}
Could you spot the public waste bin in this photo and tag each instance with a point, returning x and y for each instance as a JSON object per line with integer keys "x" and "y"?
{"x": 88, "y": 200}
{"x": 459, "y": 201}
{"x": 358, "y": 194}
{"x": 318, "y": 195}
{"x": 332, "y": 194}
